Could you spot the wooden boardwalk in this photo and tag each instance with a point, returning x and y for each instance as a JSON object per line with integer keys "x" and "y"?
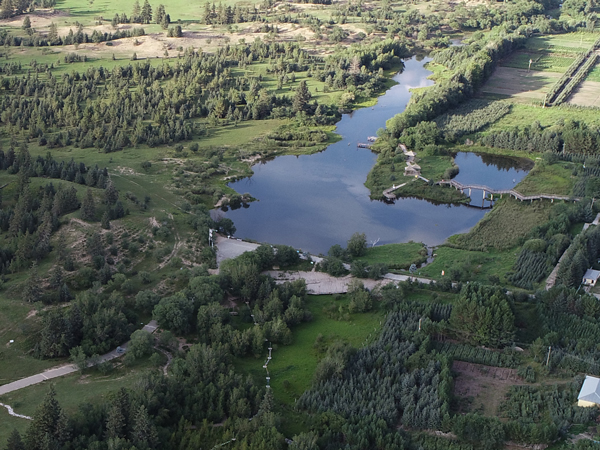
{"x": 501, "y": 192}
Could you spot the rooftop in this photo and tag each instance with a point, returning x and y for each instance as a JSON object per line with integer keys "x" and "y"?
{"x": 590, "y": 391}
{"x": 592, "y": 274}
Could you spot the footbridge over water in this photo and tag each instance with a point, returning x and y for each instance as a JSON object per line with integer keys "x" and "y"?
{"x": 513, "y": 193}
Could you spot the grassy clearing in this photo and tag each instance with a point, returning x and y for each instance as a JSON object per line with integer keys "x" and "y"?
{"x": 396, "y": 255}
{"x": 521, "y": 115}
{"x": 15, "y": 359}
{"x": 473, "y": 265}
{"x": 436, "y": 194}
{"x": 71, "y": 391}
{"x": 505, "y": 226}
{"x": 548, "y": 179}
{"x": 552, "y": 53}
{"x": 433, "y": 167}
{"x": 544, "y": 63}
{"x": 292, "y": 367}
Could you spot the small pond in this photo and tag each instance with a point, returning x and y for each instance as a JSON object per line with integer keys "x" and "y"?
{"x": 312, "y": 202}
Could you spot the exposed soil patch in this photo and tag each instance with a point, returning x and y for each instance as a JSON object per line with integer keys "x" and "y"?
{"x": 587, "y": 94}
{"x": 485, "y": 385}
{"x": 520, "y": 83}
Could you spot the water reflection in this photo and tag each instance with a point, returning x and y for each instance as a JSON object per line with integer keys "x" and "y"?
{"x": 314, "y": 201}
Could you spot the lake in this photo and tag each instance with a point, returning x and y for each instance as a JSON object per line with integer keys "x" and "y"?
{"x": 312, "y": 202}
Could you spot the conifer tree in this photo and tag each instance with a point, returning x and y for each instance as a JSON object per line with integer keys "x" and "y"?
{"x": 143, "y": 433}
{"x": 88, "y": 207}
{"x": 6, "y": 9}
{"x": 146, "y": 12}
{"x": 301, "y": 98}
{"x": 105, "y": 223}
{"x": 56, "y": 278}
{"x": 45, "y": 424}
{"x": 159, "y": 14}
{"x": 135, "y": 13}
{"x": 32, "y": 291}
{"x": 14, "y": 441}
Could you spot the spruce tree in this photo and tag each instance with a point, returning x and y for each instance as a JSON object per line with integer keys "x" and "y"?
{"x": 42, "y": 432}
{"x": 135, "y": 13}
{"x": 143, "y": 433}
{"x": 64, "y": 294}
{"x": 6, "y": 9}
{"x": 32, "y": 291}
{"x": 159, "y": 14}
{"x": 88, "y": 207}
{"x": 56, "y": 277}
{"x": 146, "y": 12}
{"x": 301, "y": 98}
{"x": 105, "y": 223}
{"x": 14, "y": 441}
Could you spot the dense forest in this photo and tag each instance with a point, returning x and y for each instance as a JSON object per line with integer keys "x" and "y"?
{"x": 90, "y": 251}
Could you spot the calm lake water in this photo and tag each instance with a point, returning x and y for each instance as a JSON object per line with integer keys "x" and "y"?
{"x": 312, "y": 202}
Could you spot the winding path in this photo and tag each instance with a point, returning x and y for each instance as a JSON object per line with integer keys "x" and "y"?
{"x": 13, "y": 413}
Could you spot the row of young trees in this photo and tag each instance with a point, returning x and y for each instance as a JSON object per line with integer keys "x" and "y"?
{"x": 546, "y": 244}
{"x": 541, "y": 414}
{"x": 580, "y": 256}
{"x": 394, "y": 380}
{"x": 573, "y": 137}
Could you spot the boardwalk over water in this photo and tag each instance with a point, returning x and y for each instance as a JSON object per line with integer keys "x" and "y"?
{"x": 511, "y": 192}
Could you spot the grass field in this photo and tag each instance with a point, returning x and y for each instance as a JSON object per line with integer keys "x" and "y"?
{"x": 474, "y": 265}
{"x": 502, "y": 228}
{"x": 71, "y": 391}
{"x": 521, "y": 115}
{"x": 292, "y": 367}
{"x": 528, "y": 74}
{"x": 548, "y": 179}
{"x": 16, "y": 360}
{"x": 396, "y": 255}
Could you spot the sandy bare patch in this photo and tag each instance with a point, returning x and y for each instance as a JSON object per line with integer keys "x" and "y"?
{"x": 154, "y": 223}
{"x": 127, "y": 171}
{"x": 31, "y": 314}
{"x": 520, "y": 83}
{"x": 318, "y": 283}
{"x": 40, "y": 18}
{"x": 587, "y": 94}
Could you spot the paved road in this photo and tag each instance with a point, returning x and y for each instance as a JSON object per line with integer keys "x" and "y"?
{"x": 65, "y": 369}
{"x": 230, "y": 248}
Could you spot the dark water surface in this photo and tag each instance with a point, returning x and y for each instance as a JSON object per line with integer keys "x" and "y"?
{"x": 496, "y": 172}
{"x": 314, "y": 201}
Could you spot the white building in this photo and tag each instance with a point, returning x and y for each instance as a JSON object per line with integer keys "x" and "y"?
{"x": 590, "y": 277}
{"x": 590, "y": 392}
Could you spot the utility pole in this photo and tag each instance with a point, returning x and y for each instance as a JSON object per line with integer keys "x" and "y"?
{"x": 548, "y": 358}
{"x": 420, "y": 320}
